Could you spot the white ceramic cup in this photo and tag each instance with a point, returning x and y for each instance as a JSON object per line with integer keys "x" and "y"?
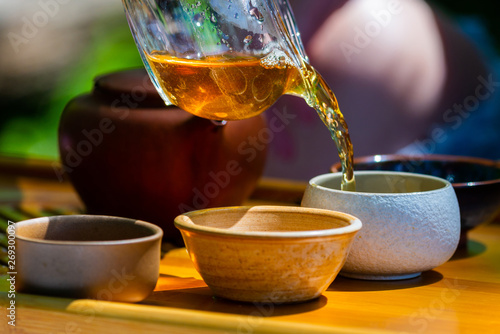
{"x": 411, "y": 222}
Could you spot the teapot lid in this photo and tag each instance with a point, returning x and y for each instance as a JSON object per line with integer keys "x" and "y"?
{"x": 133, "y": 82}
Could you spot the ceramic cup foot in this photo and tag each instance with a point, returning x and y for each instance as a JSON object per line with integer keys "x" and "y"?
{"x": 371, "y": 277}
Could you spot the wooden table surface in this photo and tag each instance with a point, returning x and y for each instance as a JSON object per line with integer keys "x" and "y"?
{"x": 461, "y": 296}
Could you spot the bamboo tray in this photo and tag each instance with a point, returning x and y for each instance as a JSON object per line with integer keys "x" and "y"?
{"x": 461, "y": 296}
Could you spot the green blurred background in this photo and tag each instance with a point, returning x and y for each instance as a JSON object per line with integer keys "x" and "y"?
{"x": 42, "y": 67}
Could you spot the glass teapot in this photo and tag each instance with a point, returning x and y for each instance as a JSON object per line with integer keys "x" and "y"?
{"x": 218, "y": 59}
{"x": 231, "y": 59}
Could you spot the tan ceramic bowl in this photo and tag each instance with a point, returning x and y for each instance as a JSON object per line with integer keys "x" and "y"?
{"x": 268, "y": 253}
{"x": 84, "y": 256}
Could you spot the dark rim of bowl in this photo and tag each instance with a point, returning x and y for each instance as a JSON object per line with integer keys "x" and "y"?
{"x": 429, "y": 157}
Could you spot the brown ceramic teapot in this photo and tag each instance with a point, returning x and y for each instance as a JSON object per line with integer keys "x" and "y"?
{"x": 129, "y": 155}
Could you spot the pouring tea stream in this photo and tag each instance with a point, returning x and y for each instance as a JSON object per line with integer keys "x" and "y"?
{"x": 232, "y": 60}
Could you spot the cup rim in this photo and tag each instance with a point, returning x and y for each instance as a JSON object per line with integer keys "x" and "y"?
{"x": 184, "y": 222}
{"x": 157, "y": 231}
{"x": 314, "y": 183}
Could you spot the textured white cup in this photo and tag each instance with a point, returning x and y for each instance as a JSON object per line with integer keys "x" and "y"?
{"x": 411, "y": 222}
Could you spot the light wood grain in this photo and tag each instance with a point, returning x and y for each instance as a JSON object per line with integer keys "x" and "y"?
{"x": 461, "y": 296}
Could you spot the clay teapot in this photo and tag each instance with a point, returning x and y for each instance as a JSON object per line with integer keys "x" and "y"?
{"x": 129, "y": 155}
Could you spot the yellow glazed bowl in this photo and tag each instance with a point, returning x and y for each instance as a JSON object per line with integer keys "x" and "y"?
{"x": 268, "y": 253}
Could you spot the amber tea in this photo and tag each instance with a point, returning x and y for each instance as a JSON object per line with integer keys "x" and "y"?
{"x": 220, "y": 87}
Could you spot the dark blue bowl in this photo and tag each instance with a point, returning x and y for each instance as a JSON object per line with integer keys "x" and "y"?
{"x": 476, "y": 181}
